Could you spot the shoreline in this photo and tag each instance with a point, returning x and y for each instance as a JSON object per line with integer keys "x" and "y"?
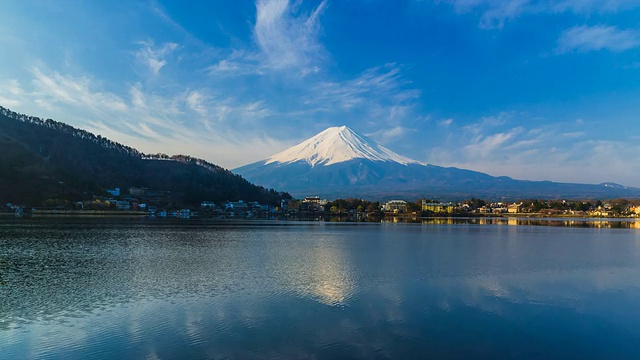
{"x": 85, "y": 213}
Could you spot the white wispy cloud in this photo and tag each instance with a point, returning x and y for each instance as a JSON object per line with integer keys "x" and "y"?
{"x": 196, "y": 100}
{"x": 74, "y": 91}
{"x": 186, "y": 121}
{"x": 595, "y": 38}
{"x": 390, "y": 135}
{"x": 483, "y": 146}
{"x": 591, "y": 6}
{"x": 288, "y": 39}
{"x": 154, "y": 57}
{"x": 445, "y": 122}
{"x": 285, "y": 39}
{"x": 501, "y": 145}
{"x": 486, "y": 123}
{"x": 10, "y": 92}
{"x": 382, "y": 82}
{"x": 501, "y": 11}
{"x": 495, "y": 13}
{"x": 240, "y": 62}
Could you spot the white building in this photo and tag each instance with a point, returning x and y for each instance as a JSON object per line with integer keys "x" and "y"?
{"x": 396, "y": 206}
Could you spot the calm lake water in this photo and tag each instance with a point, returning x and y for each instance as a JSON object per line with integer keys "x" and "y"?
{"x": 159, "y": 290}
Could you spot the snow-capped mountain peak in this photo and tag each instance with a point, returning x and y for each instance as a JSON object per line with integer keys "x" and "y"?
{"x": 335, "y": 145}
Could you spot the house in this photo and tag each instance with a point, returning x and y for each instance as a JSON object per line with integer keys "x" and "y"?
{"x": 396, "y": 206}
{"x": 208, "y": 205}
{"x": 236, "y": 206}
{"x": 601, "y": 211}
{"x": 123, "y": 205}
{"x": 254, "y": 205}
{"x": 437, "y": 207}
{"x": 183, "y": 214}
{"x": 316, "y": 199}
{"x": 113, "y": 192}
{"x": 514, "y": 208}
{"x": 499, "y": 210}
{"x": 312, "y": 204}
{"x": 137, "y": 191}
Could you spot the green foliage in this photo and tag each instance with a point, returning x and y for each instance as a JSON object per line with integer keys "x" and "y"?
{"x": 341, "y": 206}
{"x": 476, "y": 203}
{"x": 414, "y": 206}
{"x": 583, "y": 206}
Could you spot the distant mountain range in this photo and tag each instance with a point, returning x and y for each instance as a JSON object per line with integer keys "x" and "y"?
{"x": 338, "y": 162}
{"x": 46, "y": 159}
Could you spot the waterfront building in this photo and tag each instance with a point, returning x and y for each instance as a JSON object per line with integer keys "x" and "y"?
{"x": 437, "y": 207}
{"x": 514, "y": 208}
{"x": 396, "y": 206}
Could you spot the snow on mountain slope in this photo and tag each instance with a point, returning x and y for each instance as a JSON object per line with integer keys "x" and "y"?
{"x": 335, "y": 145}
{"x": 362, "y": 168}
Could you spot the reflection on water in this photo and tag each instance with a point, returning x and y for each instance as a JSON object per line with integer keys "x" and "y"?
{"x": 611, "y": 223}
{"x": 323, "y": 274}
{"x": 331, "y": 283}
{"x": 295, "y": 290}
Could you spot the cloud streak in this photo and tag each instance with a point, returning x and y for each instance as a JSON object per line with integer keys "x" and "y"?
{"x": 288, "y": 39}
{"x": 187, "y": 122}
{"x": 494, "y": 14}
{"x": 154, "y": 57}
{"x": 596, "y": 38}
{"x": 495, "y": 145}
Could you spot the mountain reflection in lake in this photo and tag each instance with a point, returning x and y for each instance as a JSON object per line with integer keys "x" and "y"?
{"x": 289, "y": 290}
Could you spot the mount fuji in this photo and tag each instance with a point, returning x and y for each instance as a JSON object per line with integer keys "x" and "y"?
{"x": 338, "y": 162}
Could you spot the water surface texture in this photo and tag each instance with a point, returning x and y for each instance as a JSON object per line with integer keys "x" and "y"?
{"x": 158, "y": 290}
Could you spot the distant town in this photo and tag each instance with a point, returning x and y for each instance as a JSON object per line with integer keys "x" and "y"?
{"x": 144, "y": 202}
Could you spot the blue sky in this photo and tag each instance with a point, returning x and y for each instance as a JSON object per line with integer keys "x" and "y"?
{"x": 532, "y": 89}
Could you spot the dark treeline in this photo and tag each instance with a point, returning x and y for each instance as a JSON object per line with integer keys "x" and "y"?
{"x": 341, "y": 206}
{"x": 46, "y": 159}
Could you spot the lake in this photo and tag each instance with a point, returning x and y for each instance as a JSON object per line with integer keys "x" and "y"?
{"x": 152, "y": 289}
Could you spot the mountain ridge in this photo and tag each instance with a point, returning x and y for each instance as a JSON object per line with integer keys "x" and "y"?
{"x": 46, "y": 159}
{"x": 379, "y": 177}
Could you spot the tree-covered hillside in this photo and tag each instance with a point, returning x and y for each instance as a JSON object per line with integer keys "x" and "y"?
{"x": 46, "y": 159}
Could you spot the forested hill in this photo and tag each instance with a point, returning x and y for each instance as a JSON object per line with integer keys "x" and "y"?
{"x": 46, "y": 159}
